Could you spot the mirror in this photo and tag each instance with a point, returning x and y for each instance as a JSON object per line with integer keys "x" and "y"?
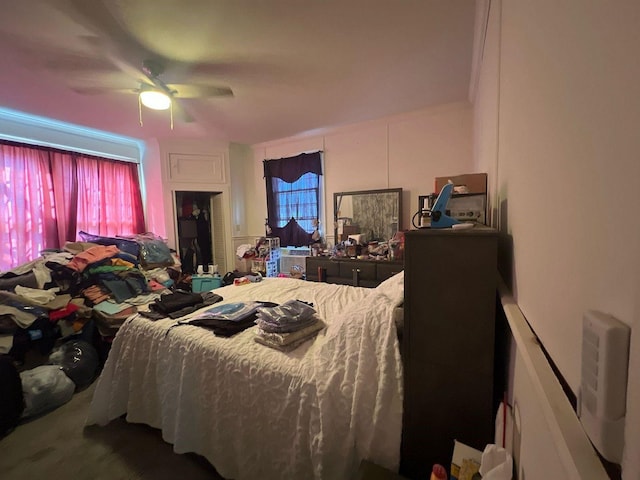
{"x": 373, "y": 215}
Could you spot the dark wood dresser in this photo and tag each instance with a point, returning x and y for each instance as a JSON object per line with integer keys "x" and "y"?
{"x": 448, "y": 344}
{"x": 347, "y": 271}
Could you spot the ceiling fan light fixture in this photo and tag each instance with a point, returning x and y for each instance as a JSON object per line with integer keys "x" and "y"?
{"x": 155, "y": 99}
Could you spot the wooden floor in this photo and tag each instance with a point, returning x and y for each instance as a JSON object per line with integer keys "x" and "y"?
{"x": 58, "y": 446}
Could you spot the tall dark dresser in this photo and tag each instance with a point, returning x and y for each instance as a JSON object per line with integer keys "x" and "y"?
{"x": 448, "y": 344}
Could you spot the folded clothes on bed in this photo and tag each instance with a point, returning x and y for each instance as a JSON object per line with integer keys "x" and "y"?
{"x": 286, "y": 342}
{"x": 231, "y": 312}
{"x": 292, "y": 311}
{"x": 276, "y": 327}
{"x": 208, "y": 298}
{"x": 176, "y": 301}
{"x": 227, "y": 314}
{"x": 282, "y": 348}
{"x": 225, "y": 328}
{"x": 291, "y": 316}
{"x": 180, "y": 306}
{"x": 229, "y": 319}
{"x": 287, "y": 338}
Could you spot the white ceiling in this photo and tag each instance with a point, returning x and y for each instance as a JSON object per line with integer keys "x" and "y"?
{"x": 293, "y": 65}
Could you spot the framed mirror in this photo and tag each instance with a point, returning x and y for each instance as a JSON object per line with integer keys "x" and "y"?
{"x": 369, "y": 215}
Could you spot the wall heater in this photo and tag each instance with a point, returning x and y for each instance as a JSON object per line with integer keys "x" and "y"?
{"x": 603, "y": 385}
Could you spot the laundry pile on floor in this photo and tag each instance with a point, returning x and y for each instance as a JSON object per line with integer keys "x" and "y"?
{"x": 72, "y": 366}
{"x": 82, "y": 291}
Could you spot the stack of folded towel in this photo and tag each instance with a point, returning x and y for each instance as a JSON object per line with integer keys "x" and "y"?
{"x": 287, "y": 326}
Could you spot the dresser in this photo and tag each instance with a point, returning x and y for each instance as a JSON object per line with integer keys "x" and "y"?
{"x": 348, "y": 271}
{"x": 448, "y": 344}
{"x": 371, "y": 471}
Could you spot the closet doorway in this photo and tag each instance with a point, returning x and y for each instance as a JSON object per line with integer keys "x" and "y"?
{"x": 200, "y": 230}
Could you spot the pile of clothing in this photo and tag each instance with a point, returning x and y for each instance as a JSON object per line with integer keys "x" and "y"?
{"x": 287, "y": 326}
{"x": 64, "y": 308}
{"x": 110, "y": 280}
{"x": 66, "y": 292}
{"x": 35, "y": 318}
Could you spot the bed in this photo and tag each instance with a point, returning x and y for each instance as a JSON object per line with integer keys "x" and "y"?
{"x": 256, "y": 412}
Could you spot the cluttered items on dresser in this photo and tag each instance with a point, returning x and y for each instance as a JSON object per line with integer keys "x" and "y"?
{"x": 367, "y": 215}
{"x": 368, "y": 224}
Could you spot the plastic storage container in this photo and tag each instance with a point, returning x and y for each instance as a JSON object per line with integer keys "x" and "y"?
{"x": 204, "y": 283}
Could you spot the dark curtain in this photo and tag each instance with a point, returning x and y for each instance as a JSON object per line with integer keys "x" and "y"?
{"x": 289, "y": 169}
{"x": 293, "y": 235}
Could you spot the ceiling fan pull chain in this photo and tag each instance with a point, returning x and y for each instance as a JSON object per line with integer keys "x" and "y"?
{"x": 140, "y": 110}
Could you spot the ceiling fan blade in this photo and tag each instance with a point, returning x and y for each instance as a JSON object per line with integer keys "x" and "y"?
{"x": 179, "y": 111}
{"x": 185, "y": 90}
{"x": 112, "y": 40}
{"x": 103, "y": 90}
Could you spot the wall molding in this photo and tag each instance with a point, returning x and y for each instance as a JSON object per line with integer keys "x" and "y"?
{"x": 34, "y": 130}
{"x": 480, "y": 34}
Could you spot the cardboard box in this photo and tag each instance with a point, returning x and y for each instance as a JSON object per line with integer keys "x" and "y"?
{"x": 475, "y": 182}
{"x": 465, "y": 462}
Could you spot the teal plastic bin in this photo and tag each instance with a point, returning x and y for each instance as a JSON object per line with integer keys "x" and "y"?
{"x": 203, "y": 283}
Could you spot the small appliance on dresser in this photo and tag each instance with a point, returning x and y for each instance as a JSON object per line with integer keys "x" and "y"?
{"x": 466, "y": 202}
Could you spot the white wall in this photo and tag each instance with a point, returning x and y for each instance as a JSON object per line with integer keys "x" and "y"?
{"x": 152, "y": 194}
{"x": 406, "y": 151}
{"x": 559, "y": 93}
{"x": 161, "y": 189}
{"x": 241, "y": 164}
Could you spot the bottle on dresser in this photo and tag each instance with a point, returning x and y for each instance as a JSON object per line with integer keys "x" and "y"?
{"x": 438, "y": 472}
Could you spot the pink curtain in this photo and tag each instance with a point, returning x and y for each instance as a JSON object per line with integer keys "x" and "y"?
{"x": 48, "y": 196}
{"x": 63, "y": 170}
{"x": 28, "y": 216}
{"x": 109, "y": 198}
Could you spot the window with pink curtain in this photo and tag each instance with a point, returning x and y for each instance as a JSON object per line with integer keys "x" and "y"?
{"x": 109, "y": 198}
{"x": 48, "y": 196}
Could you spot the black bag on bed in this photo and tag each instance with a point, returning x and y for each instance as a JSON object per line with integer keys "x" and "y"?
{"x": 229, "y": 277}
{"x": 11, "y": 396}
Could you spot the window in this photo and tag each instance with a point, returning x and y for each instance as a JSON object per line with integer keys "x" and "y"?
{"x": 297, "y": 200}
{"x": 48, "y": 196}
{"x": 293, "y": 192}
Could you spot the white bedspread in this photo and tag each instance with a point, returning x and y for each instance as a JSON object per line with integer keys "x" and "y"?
{"x": 255, "y": 412}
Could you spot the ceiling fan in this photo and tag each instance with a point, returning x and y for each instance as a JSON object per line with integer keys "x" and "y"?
{"x": 152, "y": 71}
{"x": 113, "y": 37}
{"x": 154, "y": 93}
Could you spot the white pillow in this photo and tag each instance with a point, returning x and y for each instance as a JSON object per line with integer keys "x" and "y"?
{"x": 393, "y": 288}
